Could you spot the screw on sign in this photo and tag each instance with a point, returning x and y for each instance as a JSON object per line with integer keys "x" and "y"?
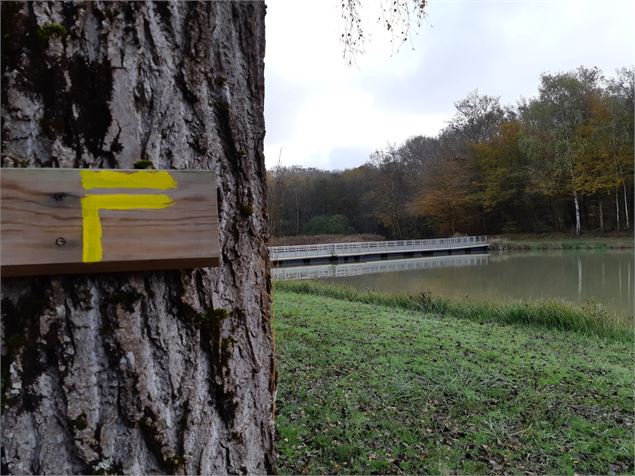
{"x": 107, "y": 220}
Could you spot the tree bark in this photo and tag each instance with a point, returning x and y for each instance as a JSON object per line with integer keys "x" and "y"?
{"x": 162, "y": 372}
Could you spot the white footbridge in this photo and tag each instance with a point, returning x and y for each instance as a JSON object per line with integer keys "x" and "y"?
{"x": 334, "y": 251}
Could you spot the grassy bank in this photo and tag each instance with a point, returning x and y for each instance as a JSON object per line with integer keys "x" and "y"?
{"x": 592, "y": 319}
{"x": 559, "y": 242}
{"x": 370, "y": 385}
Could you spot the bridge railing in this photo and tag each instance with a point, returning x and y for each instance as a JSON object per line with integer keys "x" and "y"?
{"x": 279, "y": 253}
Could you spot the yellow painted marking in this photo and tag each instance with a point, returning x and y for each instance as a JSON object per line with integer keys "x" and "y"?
{"x": 155, "y": 179}
{"x": 91, "y": 224}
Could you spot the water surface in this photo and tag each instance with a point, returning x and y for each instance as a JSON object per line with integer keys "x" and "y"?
{"x": 604, "y": 276}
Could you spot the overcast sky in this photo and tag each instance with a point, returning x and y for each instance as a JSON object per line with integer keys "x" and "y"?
{"x": 325, "y": 114}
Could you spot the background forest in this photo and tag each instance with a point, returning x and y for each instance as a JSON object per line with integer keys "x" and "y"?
{"x": 558, "y": 162}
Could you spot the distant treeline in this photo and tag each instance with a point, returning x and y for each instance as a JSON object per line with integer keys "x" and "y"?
{"x": 562, "y": 161}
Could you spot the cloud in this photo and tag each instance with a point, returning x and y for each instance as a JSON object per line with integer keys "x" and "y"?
{"x": 325, "y": 114}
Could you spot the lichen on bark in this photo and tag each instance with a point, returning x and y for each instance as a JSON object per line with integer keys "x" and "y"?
{"x": 118, "y": 373}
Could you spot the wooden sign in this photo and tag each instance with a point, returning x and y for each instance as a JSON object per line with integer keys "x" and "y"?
{"x": 57, "y": 221}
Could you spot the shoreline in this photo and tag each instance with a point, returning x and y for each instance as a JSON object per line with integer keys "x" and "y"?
{"x": 559, "y": 242}
{"x": 590, "y": 320}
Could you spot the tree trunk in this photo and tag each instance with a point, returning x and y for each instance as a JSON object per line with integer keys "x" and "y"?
{"x": 557, "y": 214}
{"x": 297, "y": 213}
{"x": 162, "y": 372}
{"x": 577, "y": 212}
{"x": 585, "y": 207}
{"x": 601, "y": 217}
{"x": 619, "y": 164}
{"x": 617, "y": 207}
{"x": 628, "y": 224}
{"x": 576, "y": 202}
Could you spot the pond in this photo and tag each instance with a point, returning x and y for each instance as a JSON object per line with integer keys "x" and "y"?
{"x": 579, "y": 276}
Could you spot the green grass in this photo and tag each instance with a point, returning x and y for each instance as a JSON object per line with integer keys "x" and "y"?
{"x": 592, "y": 319}
{"x": 559, "y": 242}
{"x": 376, "y": 388}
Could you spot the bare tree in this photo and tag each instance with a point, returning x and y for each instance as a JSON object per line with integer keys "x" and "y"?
{"x": 399, "y": 17}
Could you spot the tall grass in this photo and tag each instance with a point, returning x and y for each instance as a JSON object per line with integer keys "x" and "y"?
{"x": 591, "y": 319}
{"x": 502, "y": 243}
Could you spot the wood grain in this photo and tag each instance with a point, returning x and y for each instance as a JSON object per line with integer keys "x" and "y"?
{"x": 42, "y": 224}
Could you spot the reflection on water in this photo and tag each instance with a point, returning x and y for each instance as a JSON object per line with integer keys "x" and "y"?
{"x": 577, "y": 276}
{"x": 355, "y": 269}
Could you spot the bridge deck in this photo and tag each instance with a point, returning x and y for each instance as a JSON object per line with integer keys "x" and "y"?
{"x": 335, "y": 250}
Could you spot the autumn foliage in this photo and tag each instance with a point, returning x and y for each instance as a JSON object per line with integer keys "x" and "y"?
{"x": 560, "y": 161}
